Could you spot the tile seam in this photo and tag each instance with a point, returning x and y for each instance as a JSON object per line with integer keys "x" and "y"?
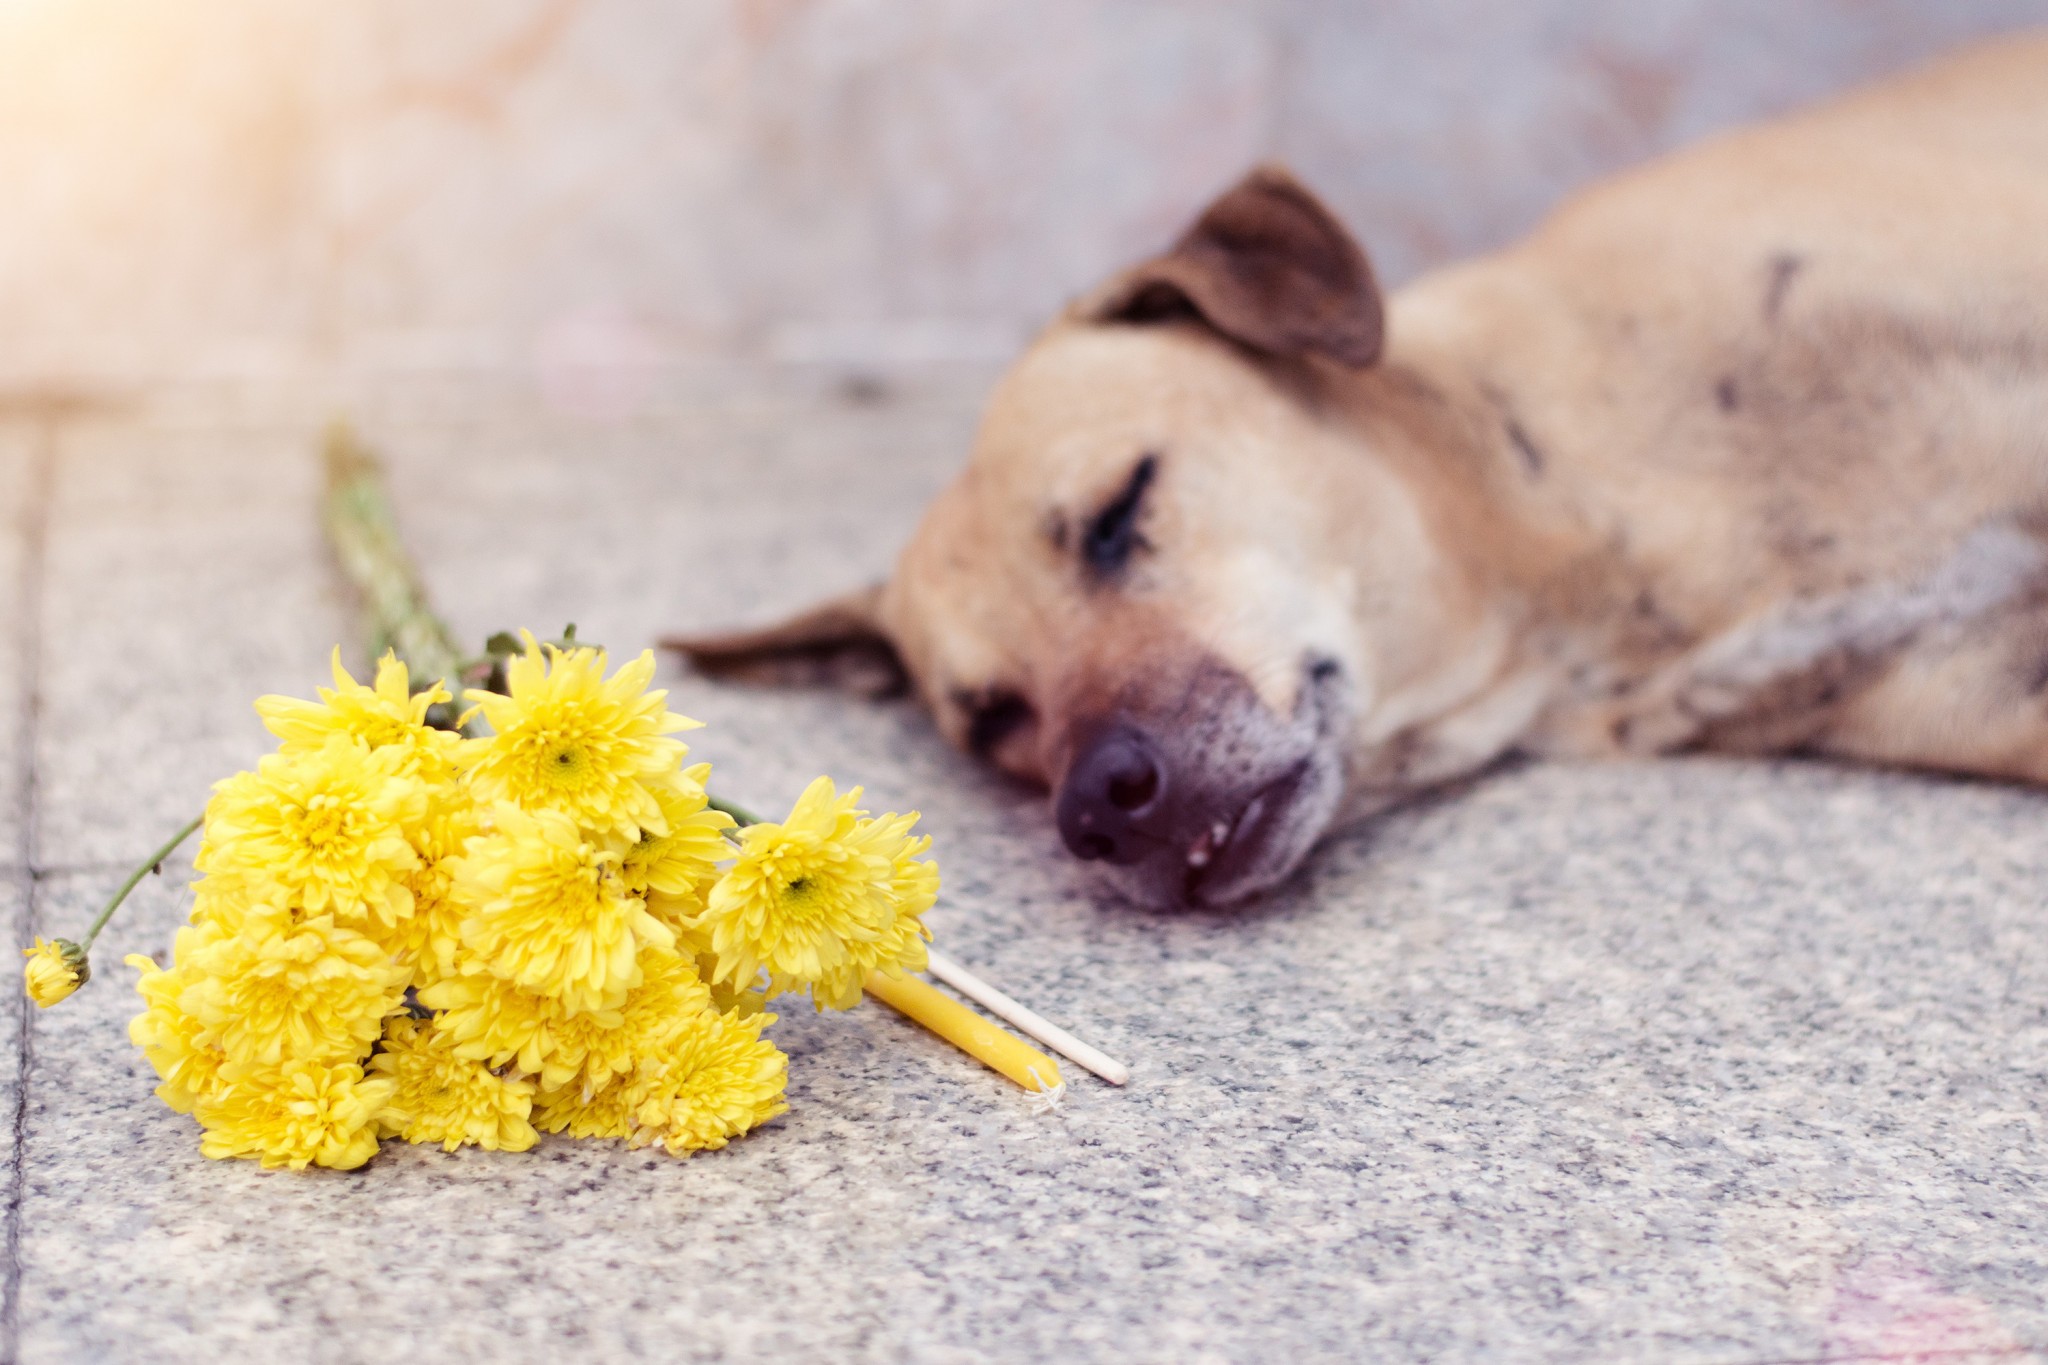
{"x": 33, "y": 566}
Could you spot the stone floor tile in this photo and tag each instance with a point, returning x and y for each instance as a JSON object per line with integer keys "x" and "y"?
{"x": 185, "y": 577}
{"x": 701, "y": 516}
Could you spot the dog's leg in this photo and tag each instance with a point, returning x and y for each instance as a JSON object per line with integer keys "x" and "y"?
{"x": 1976, "y": 702}
{"x": 1948, "y": 671}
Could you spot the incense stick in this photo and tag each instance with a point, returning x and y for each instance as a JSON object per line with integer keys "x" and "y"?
{"x": 1044, "y": 1030}
{"x": 963, "y": 1028}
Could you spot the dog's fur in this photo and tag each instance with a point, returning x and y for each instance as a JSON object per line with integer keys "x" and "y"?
{"x": 1744, "y": 451}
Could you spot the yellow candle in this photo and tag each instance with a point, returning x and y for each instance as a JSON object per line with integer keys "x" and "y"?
{"x": 963, "y": 1028}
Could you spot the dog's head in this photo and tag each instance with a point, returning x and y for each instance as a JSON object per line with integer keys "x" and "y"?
{"x": 1178, "y": 573}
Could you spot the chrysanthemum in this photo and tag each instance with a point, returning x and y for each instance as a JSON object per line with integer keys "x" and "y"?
{"x": 296, "y": 1114}
{"x": 326, "y": 829}
{"x": 822, "y": 898}
{"x": 53, "y": 971}
{"x": 187, "y": 1069}
{"x": 547, "y": 909}
{"x": 682, "y": 862}
{"x": 428, "y": 939}
{"x": 914, "y": 886}
{"x": 275, "y": 990}
{"x": 720, "y": 1079}
{"x": 727, "y": 998}
{"x": 386, "y": 715}
{"x": 666, "y": 1004}
{"x": 568, "y": 739}
{"x": 599, "y": 1115}
{"x": 495, "y": 1022}
{"x": 225, "y": 900}
{"x": 680, "y": 916}
{"x": 693, "y": 942}
{"x": 187, "y": 1065}
{"x": 443, "y": 1098}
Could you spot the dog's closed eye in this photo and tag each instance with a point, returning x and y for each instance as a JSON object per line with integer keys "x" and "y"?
{"x": 1112, "y": 532}
{"x": 993, "y": 717}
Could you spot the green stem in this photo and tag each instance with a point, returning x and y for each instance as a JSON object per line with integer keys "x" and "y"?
{"x": 364, "y": 532}
{"x": 738, "y": 813}
{"x": 153, "y": 863}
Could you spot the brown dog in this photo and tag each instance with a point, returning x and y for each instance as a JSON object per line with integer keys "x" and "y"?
{"x": 1744, "y": 451}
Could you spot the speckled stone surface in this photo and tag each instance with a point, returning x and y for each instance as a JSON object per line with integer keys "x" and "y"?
{"x": 1698, "y": 1061}
{"x": 182, "y": 560}
{"x": 19, "y": 550}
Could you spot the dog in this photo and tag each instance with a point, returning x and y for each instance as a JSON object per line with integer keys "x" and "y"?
{"x": 1743, "y": 451}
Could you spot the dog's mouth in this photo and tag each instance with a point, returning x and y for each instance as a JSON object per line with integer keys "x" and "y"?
{"x": 1237, "y": 848}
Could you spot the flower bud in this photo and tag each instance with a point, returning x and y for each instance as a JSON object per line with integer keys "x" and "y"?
{"x": 55, "y": 969}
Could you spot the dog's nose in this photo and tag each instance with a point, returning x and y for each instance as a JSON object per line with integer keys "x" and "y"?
{"x": 1114, "y": 784}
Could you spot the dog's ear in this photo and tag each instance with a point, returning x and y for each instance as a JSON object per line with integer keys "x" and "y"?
{"x": 838, "y": 643}
{"x": 1266, "y": 265}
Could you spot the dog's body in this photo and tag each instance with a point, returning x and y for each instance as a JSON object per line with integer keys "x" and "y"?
{"x": 1746, "y": 450}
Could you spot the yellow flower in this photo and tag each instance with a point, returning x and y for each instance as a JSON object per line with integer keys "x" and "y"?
{"x": 276, "y": 990}
{"x": 727, "y": 998}
{"x": 326, "y": 829}
{"x": 822, "y": 898}
{"x": 429, "y": 938}
{"x": 570, "y": 1110}
{"x": 492, "y": 1021}
{"x": 679, "y": 915}
{"x": 54, "y": 970}
{"x": 547, "y": 909}
{"x": 682, "y": 862}
{"x": 914, "y": 887}
{"x": 667, "y": 1003}
{"x": 187, "y": 1064}
{"x": 299, "y": 1113}
{"x": 443, "y": 1098}
{"x": 568, "y": 740}
{"x": 387, "y": 715}
{"x": 499, "y": 1024}
{"x": 693, "y": 942}
{"x": 719, "y": 1080}
{"x": 225, "y": 901}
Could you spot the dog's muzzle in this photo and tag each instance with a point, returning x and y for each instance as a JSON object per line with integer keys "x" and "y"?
{"x": 1173, "y": 826}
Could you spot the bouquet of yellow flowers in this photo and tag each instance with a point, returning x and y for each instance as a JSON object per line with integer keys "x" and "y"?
{"x": 472, "y": 926}
{"x": 402, "y": 932}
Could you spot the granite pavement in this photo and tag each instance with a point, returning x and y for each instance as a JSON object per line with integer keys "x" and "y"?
{"x": 1695, "y": 1061}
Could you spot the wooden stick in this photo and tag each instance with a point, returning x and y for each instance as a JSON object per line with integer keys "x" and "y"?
{"x": 966, "y": 1030}
{"x": 1039, "y": 1027}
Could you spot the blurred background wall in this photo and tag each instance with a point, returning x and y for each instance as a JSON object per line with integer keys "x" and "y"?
{"x": 194, "y": 188}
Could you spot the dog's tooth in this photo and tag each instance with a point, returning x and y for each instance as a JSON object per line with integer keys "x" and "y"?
{"x": 1219, "y": 833}
{"x": 1198, "y": 851}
